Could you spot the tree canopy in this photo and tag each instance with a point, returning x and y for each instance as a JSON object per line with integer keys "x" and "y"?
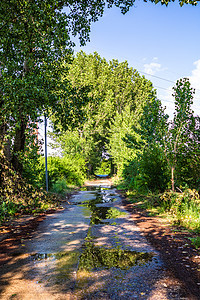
{"x": 115, "y": 95}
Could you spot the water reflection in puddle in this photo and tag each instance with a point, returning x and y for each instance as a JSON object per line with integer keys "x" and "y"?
{"x": 103, "y": 213}
{"x": 100, "y": 196}
{"x": 94, "y": 257}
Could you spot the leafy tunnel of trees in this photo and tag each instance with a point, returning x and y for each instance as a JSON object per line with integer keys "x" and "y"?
{"x": 99, "y": 109}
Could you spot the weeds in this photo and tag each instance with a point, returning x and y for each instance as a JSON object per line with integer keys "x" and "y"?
{"x": 195, "y": 242}
{"x": 184, "y": 208}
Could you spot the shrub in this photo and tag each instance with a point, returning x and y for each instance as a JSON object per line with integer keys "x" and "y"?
{"x": 153, "y": 169}
{"x": 185, "y": 208}
{"x": 104, "y": 168}
{"x": 59, "y": 187}
{"x": 72, "y": 171}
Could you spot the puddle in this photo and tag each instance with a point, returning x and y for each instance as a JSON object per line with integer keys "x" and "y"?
{"x": 94, "y": 257}
{"x": 99, "y": 213}
{"x": 102, "y": 213}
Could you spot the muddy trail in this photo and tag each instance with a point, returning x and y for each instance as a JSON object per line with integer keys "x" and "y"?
{"x": 89, "y": 250}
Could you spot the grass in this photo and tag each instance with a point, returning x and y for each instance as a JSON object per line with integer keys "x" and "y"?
{"x": 182, "y": 209}
{"x": 195, "y": 241}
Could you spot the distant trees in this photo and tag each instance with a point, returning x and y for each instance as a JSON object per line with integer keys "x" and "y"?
{"x": 114, "y": 98}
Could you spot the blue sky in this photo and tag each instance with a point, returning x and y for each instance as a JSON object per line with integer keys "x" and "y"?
{"x": 158, "y": 40}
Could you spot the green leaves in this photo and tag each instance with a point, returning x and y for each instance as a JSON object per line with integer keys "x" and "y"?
{"x": 181, "y": 2}
{"x": 114, "y": 96}
{"x": 179, "y": 137}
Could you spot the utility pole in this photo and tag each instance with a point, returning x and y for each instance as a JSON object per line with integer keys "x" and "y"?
{"x": 45, "y": 151}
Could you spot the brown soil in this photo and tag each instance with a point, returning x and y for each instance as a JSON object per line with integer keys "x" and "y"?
{"x": 14, "y": 232}
{"x": 182, "y": 259}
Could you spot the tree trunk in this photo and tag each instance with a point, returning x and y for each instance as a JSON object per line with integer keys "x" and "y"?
{"x": 19, "y": 145}
{"x": 90, "y": 169}
{"x": 112, "y": 167}
{"x": 5, "y": 144}
{"x": 172, "y": 178}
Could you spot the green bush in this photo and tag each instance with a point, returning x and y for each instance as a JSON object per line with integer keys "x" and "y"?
{"x": 72, "y": 171}
{"x": 185, "y": 208}
{"x": 104, "y": 168}
{"x": 59, "y": 187}
{"x": 154, "y": 169}
{"x": 130, "y": 174}
{"x": 149, "y": 172}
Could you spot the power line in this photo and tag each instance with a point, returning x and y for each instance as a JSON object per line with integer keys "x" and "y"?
{"x": 159, "y": 87}
{"x": 157, "y": 77}
{"x": 164, "y": 79}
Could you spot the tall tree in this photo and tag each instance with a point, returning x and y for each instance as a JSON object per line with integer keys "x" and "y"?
{"x": 180, "y": 132}
{"x": 114, "y": 96}
{"x": 35, "y": 38}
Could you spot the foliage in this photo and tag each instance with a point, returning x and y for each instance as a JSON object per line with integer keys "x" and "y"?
{"x": 181, "y": 2}
{"x": 131, "y": 177}
{"x": 173, "y": 200}
{"x": 18, "y": 197}
{"x": 59, "y": 187}
{"x": 153, "y": 168}
{"x": 71, "y": 171}
{"x": 195, "y": 241}
{"x": 184, "y": 207}
{"x": 121, "y": 126}
{"x": 146, "y": 169}
{"x": 188, "y": 156}
{"x": 104, "y": 167}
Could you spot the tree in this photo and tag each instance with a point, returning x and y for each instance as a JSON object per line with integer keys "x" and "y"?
{"x": 188, "y": 156}
{"x": 180, "y": 132}
{"x": 148, "y": 167}
{"x": 113, "y": 93}
{"x": 35, "y": 38}
{"x": 120, "y": 127}
{"x": 181, "y": 2}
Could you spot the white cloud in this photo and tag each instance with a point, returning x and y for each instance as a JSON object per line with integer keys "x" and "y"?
{"x": 195, "y": 82}
{"x": 152, "y": 68}
{"x": 195, "y": 77}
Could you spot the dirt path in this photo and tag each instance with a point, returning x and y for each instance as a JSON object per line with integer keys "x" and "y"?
{"x": 91, "y": 249}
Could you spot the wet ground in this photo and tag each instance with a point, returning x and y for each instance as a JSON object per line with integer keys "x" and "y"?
{"x": 89, "y": 250}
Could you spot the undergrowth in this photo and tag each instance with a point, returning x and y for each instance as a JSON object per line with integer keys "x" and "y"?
{"x": 182, "y": 208}
{"x": 17, "y": 197}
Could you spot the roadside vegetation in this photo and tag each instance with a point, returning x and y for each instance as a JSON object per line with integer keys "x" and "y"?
{"x": 164, "y": 177}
